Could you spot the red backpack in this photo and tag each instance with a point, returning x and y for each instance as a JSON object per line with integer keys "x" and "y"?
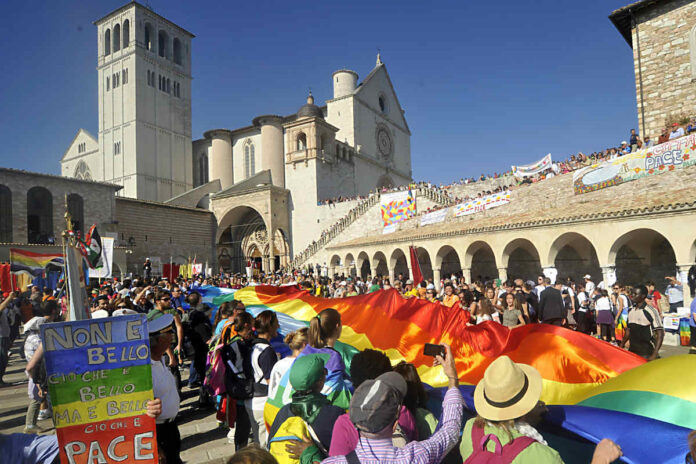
{"x": 502, "y": 455}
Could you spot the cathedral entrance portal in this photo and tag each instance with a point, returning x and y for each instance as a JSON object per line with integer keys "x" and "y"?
{"x": 244, "y": 242}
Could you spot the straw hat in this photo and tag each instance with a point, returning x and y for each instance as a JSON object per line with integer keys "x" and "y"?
{"x": 507, "y": 391}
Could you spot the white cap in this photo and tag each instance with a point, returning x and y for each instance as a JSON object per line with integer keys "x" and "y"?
{"x": 587, "y": 276}
{"x": 124, "y": 312}
{"x": 624, "y": 143}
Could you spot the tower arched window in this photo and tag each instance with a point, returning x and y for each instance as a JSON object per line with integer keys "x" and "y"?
{"x": 117, "y": 37}
{"x": 107, "y": 42}
{"x": 39, "y": 215}
{"x": 177, "y": 50}
{"x": 5, "y": 214}
{"x": 301, "y": 141}
{"x": 126, "y": 33}
{"x": 249, "y": 160}
{"x": 163, "y": 44}
{"x": 149, "y": 32}
{"x": 76, "y": 210}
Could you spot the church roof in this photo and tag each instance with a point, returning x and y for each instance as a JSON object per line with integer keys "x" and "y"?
{"x": 22, "y": 172}
{"x": 133, "y": 2}
{"x": 309, "y": 109}
{"x": 622, "y": 17}
{"x": 259, "y": 180}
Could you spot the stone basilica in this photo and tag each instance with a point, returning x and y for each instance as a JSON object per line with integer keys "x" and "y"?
{"x": 263, "y": 180}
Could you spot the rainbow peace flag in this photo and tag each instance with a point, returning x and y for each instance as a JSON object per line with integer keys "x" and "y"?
{"x": 600, "y": 388}
{"x": 32, "y": 262}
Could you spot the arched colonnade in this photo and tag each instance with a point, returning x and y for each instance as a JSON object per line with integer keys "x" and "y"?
{"x": 630, "y": 252}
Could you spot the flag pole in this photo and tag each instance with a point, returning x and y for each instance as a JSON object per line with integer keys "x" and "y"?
{"x": 64, "y": 238}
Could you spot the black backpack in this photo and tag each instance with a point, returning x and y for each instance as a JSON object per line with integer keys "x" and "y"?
{"x": 239, "y": 377}
{"x": 239, "y": 373}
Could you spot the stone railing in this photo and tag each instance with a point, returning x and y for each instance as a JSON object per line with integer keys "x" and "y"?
{"x": 356, "y": 213}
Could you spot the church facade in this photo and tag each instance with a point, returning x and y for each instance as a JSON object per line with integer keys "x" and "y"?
{"x": 264, "y": 182}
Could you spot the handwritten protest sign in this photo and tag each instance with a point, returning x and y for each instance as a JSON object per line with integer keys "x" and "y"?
{"x": 99, "y": 381}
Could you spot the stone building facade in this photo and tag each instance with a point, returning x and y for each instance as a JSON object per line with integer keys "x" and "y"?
{"x": 357, "y": 141}
{"x": 662, "y": 35}
{"x": 32, "y": 215}
{"x": 163, "y": 233}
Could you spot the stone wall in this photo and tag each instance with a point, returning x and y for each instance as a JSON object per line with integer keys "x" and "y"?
{"x": 98, "y": 201}
{"x": 164, "y": 232}
{"x": 665, "y": 39}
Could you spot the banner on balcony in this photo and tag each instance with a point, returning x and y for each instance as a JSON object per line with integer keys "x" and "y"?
{"x": 533, "y": 168}
{"x": 398, "y": 206}
{"x": 665, "y": 157}
{"x": 434, "y": 217}
{"x": 481, "y": 204}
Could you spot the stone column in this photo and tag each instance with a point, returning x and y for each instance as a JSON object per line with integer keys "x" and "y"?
{"x": 502, "y": 273}
{"x": 466, "y": 271}
{"x": 551, "y": 272}
{"x": 436, "y": 278}
{"x": 609, "y": 276}
{"x": 683, "y": 278}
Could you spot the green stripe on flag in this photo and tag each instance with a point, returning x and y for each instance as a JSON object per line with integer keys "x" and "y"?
{"x": 657, "y": 406}
{"x": 100, "y": 383}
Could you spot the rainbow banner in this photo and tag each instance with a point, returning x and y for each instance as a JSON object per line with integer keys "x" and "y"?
{"x": 579, "y": 372}
{"x": 33, "y": 263}
{"x": 100, "y": 381}
{"x": 482, "y": 204}
{"x": 398, "y": 206}
{"x": 658, "y": 159}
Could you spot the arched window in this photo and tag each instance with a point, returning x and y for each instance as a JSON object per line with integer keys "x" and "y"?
{"x": 169, "y": 86}
{"x": 148, "y": 36}
{"x": 301, "y": 141}
{"x": 5, "y": 214}
{"x": 163, "y": 44}
{"x": 82, "y": 171}
{"x": 39, "y": 215}
{"x": 107, "y": 42}
{"x": 338, "y": 151}
{"x": 126, "y": 33}
{"x": 249, "y": 160}
{"x": 117, "y": 37}
{"x": 177, "y": 51}
{"x": 76, "y": 210}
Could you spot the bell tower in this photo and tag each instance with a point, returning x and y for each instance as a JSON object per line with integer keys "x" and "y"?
{"x": 144, "y": 71}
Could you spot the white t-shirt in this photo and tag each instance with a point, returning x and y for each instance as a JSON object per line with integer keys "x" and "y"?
{"x": 589, "y": 287}
{"x": 582, "y": 297}
{"x": 164, "y": 388}
{"x": 277, "y": 373}
{"x": 538, "y": 289}
{"x": 603, "y": 304}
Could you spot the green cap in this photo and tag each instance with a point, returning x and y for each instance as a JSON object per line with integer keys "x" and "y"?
{"x": 306, "y": 371}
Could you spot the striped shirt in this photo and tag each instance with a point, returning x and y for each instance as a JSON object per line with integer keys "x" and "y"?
{"x": 432, "y": 450}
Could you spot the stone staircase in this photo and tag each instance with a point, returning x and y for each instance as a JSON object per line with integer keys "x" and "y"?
{"x": 364, "y": 219}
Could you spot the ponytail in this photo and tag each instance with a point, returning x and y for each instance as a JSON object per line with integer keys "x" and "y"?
{"x": 323, "y": 327}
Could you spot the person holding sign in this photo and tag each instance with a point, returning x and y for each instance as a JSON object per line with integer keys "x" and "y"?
{"x": 165, "y": 406}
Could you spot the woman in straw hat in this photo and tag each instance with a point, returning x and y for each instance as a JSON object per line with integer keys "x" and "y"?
{"x": 508, "y": 407}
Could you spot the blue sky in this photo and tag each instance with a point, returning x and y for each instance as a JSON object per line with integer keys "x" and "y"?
{"x": 484, "y": 84}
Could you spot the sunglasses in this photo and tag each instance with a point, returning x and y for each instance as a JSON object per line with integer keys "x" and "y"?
{"x": 165, "y": 299}
{"x": 121, "y": 307}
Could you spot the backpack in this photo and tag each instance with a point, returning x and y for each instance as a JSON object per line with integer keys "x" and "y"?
{"x": 238, "y": 374}
{"x": 502, "y": 455}
{"x": 292, "y": 430}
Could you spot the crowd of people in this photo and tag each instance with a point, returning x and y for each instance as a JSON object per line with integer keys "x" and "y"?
{"x": 374, "y": 412}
